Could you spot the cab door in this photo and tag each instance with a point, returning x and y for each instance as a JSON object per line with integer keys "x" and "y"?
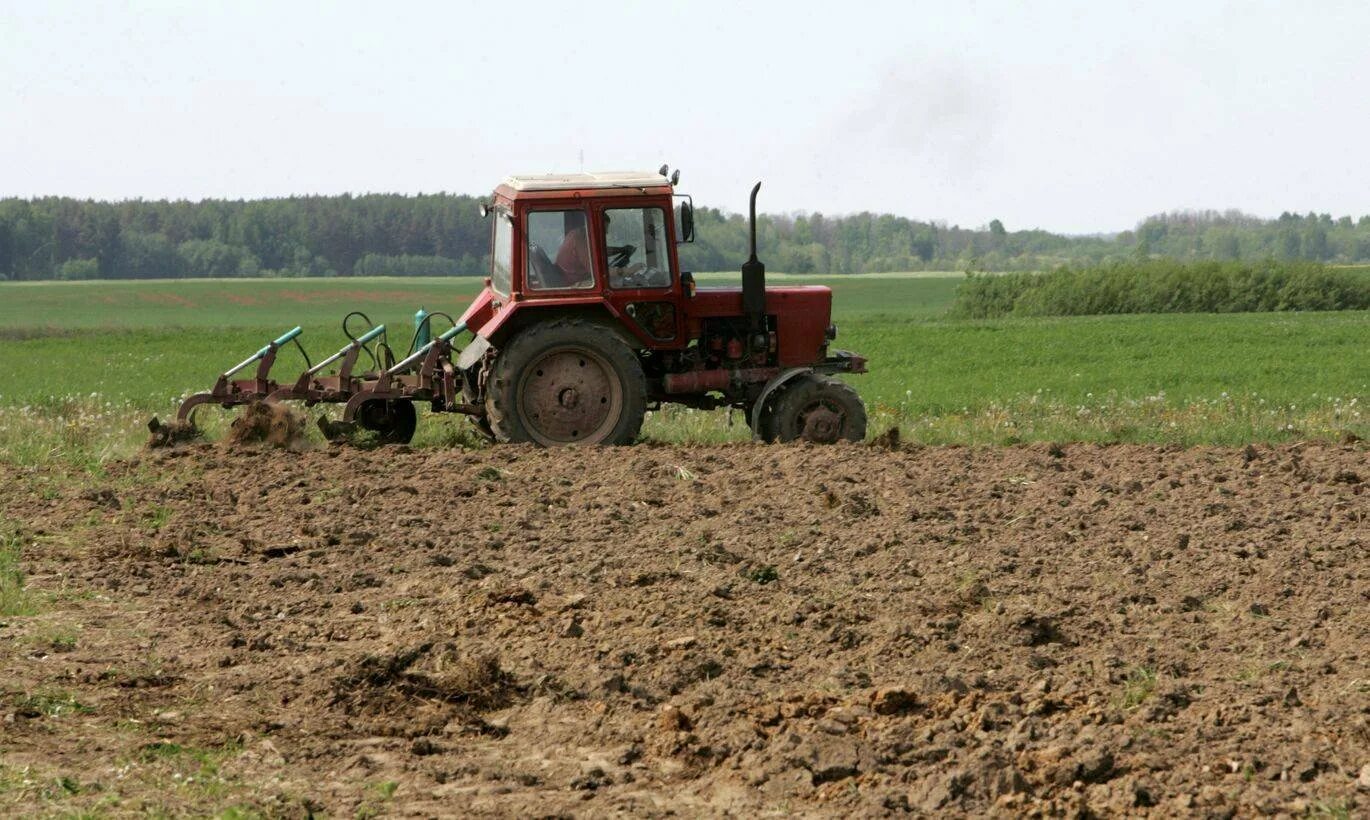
{"x": 637, "y": 259}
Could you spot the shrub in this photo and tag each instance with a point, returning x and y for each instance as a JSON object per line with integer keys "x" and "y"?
{"x": 1164, "y": 286}
{"x": 74, "y": 269}
{"x": 211, "y": 258}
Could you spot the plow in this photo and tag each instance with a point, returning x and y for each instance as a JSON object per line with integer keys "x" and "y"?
{"x": 380, "y": 400}
{"x": 585, "y": 322}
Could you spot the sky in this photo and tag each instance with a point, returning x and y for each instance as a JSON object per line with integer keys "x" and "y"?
{"x": 1074, "y": 117}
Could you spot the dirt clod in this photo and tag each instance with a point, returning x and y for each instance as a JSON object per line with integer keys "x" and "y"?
{"x": 674, "y": 719}
{"x": 169, "y": 433}
{"x": 893, "y": 701}
{"x": 276, "y": 425}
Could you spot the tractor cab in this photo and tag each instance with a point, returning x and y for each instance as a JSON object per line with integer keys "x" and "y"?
{"x": 572, "y": 241}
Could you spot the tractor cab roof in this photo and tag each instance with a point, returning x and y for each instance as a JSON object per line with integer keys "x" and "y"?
{"x": 598, "y": 182}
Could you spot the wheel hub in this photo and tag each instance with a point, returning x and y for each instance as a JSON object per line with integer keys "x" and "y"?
{"x": 821, "y": 425}
{"x": 569, "y": 395}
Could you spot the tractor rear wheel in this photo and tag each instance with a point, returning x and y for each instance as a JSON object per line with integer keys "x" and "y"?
{"x": 392, "y": 420}
{"x": 566, "y": 382}
{"x": 819, "y": 409}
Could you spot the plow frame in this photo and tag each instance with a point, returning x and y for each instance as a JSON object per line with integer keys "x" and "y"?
{"x": 229, "y": 392}
{"x": 311, "y": 388}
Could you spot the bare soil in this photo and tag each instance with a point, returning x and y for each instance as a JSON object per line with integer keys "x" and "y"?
{"x": 745, "y": 629}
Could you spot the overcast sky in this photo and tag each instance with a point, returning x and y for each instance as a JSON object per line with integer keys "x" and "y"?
{"x": 1073, "y": 117}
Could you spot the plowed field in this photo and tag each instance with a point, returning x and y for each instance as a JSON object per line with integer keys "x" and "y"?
{"x": 701, "y": 630}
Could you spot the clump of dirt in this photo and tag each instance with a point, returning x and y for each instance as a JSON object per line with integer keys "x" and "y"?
{"x": 168, "y": 434}
{"x": 389, "y": 681}
{"x": 276, "y": 425}
{"x": 418, "y": 692}
{"x": 888, "y": 440}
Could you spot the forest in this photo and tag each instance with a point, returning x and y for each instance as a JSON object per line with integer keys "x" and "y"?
{"x": 444, "y": 235}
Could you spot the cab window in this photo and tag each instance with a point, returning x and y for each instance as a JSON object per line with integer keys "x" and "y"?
{"x": 558, "y": 251}
{"x": 636, "y": 249}
{"x": 502, "y": 253}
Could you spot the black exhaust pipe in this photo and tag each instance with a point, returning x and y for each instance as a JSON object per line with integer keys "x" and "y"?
{"x": 754, "y": 288}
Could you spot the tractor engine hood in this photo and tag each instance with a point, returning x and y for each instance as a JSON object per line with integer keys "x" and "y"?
{"x": 800, "y": 313}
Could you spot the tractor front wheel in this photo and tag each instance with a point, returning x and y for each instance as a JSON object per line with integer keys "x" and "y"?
{"x": 815, "y": 408}
{"x": 566, "y": 382}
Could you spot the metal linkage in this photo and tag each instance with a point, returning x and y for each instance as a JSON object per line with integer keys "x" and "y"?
{"x": 427, "y": 374}
{"x": 230, "y": 392}
{"x": 311, "y": 388}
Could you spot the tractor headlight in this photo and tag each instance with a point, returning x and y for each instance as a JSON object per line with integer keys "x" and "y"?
{"x": 831, "y": 332}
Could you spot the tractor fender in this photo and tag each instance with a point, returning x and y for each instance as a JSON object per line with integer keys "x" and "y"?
{"x": 516, "y": 314}
{"x": 772, "y": 386}
{"x": 521, "y": 314}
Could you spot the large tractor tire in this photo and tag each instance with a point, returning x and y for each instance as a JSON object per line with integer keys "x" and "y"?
{"x": 566, "y": 382}
{"x": 819, "y": 409}
{"x": 765, "y": 427}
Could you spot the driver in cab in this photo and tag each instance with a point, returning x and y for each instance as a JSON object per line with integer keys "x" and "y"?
{"x": 573, "y": 257}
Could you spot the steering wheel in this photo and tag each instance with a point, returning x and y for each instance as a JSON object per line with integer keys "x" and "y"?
{"x": 648, "y": 277}
{"x": 620, "y": 255}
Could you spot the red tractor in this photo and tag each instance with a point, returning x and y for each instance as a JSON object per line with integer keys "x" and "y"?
{"x": 585, "y": 323}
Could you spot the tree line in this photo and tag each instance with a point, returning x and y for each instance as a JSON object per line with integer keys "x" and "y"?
{"x": 375, "y": 234}
{"x": 444, "y": 235}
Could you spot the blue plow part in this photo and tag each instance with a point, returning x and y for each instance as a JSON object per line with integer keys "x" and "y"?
{"x": 370, "y": 334}
{"x": 422, "y": 332}
{"x": 284, "y": 338}
{"x": 414, "y": 357}
{"x": 281, "y": 341}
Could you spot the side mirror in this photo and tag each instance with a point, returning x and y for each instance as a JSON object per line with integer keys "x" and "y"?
{"x": 687, "y": 220}
{"x": 484, "y": 210}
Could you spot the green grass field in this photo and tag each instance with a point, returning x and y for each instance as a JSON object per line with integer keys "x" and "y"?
{"x": 83, "y": 365}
